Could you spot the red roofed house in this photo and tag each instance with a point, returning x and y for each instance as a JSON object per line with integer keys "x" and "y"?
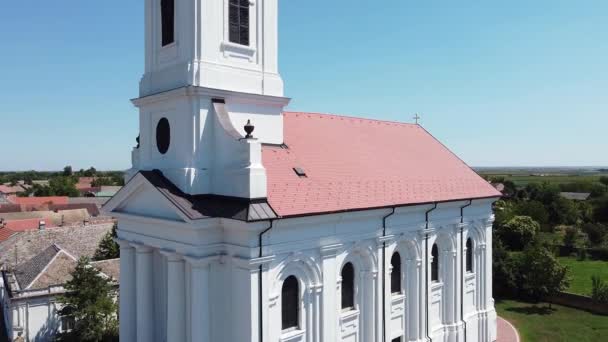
{"x": 243, "y": 222}
{"x": 8, "y": 190}
{"x": 28, "y": 224}
{"x": 39, "y": 201}
{"x": 6, "y": 233}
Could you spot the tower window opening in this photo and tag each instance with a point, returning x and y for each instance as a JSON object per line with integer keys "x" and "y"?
{"x": 238, "y": 21}
{"x": 167, "y": 14}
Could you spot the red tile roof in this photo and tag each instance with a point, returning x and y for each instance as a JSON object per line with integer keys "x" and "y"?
{"x": 34, "y": 201}
{"x": 353, "y": 163}
{"x": 9, "y": 190}
{"x": 27, "y": 224}
{"x": 6, "y": 233}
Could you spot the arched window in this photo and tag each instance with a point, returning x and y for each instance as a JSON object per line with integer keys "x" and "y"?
{"x": 435, "y": 264}
{"x": 167, "y": 20}
{"x": 396, "y": 273}
{"x": 238, "y": 19}
{"x": 348, "y": 286}
{"x": 290, "y": 303}
{"x": 469, "y": 255}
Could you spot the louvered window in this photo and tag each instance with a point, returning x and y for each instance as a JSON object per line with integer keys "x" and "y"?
{"x": 238, "y": 21}
{"x": 167, "y": 14}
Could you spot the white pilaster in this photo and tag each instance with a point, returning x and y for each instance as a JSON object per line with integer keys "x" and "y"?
{"x": 176, "y": 297}
{"x": 330, "y": 312}
{"x": 145, "y": 294}
{"x": 200, "y": 318}
{"x": 413, "y": 303}
{"x": 127, "y": 304}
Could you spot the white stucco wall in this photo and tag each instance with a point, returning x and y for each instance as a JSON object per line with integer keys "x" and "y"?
{"x": 221, "y": 264}
{"x": 34, "y": 313}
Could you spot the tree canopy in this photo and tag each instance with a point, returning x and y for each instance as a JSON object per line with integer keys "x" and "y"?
{"x": 108, "y": 248}
{"x": 90, "y": 300}
{"x": 541, "y": 274}
{"x": 518, "y": 232}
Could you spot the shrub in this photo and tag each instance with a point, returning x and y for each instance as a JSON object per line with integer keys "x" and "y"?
{"x": 599, "y": 291}
{"x": 596, "y": 233}
{"x": 541, "y": 274}
{"x": 598, "y": 253}
{"x": 518, "y": 232}
{"x": 570, "y": 236}
{"x": 581, "y": 254}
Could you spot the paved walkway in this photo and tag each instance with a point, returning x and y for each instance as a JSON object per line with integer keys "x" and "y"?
{"x": 506, "y": 331}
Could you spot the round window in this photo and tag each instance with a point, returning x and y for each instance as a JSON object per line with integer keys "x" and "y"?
{"x": 163, "y": 135}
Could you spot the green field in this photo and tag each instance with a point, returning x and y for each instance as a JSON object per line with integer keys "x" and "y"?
{"x": 580, "y": 273}
{"x": 523, "y": 179}
{"x": 538, "y": 323}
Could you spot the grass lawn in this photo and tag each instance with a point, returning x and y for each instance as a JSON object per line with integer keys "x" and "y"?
{"x": 580, "y": 273}
{"x": 538, "y": 323}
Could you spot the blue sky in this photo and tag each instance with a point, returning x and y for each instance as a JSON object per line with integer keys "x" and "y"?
{"x": 506, "y": 83}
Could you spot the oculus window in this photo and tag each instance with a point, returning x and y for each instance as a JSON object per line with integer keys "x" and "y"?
{"x": 163, "y": 135}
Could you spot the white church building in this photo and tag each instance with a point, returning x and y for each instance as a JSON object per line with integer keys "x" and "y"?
{"x": 242, "y": 222}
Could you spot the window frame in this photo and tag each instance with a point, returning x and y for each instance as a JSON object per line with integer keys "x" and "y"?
{"x": 167, "y": 40}
{"x": 396, "y": 274}
{"x": 239, "y": 6}
{"x": 435, "y": 278}
{"x": 352, "y": 301}
{"x": 297, "y": 325}
{"x": 68, "y": 322}
{"x": 469, "y": 266}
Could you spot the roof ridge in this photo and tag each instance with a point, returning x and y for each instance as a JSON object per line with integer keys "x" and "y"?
{"x": 391, "y": 122}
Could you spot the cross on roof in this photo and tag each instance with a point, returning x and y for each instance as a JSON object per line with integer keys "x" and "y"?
{"x": 417, "y": 117}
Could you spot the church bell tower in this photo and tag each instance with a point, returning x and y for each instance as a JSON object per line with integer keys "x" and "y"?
{"x": 211, "y": 68}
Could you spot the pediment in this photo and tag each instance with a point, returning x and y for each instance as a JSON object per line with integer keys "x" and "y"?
{"x": 140, "y": 198}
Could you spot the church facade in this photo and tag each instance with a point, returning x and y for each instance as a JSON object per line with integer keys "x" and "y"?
{"x": 243, "y": 222}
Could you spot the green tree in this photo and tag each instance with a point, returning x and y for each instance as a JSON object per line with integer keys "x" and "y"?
{"x": 108, "y": 248}
{"x": 504, "y": 270}
{"x": 535, "y": 209}
{"x": 600, "y": 210}
{"x": 604, "y": 180}
{"x": 62, "y": 186}
{"x": 90, "y": 172}
{"x": 564, "y": 211}
{"x": 510, "y": 188}
{"x": 102, "y": 181}
{"x": 571, "y": 237}
{"x": 504, "y": 211}
{"x": 518, "y": 232}
{"x": 596, "y": 233}
{"x": 90, "y": 301}
{"x": 67, "y": 171}
{"x": 541, "y": 274}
